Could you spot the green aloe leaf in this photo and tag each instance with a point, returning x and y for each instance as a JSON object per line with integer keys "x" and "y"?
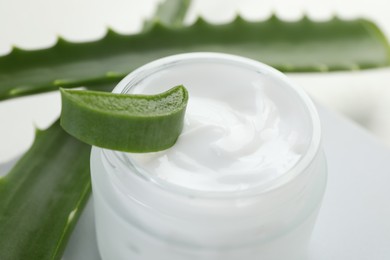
{"x": 289, "y": 46}
{"x": 43, "y": 195}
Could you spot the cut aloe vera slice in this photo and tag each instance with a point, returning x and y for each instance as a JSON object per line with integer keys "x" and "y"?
{"x": 124, "y": 122}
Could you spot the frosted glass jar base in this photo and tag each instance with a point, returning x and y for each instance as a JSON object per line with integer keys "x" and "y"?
{"x": 121, "y": 239}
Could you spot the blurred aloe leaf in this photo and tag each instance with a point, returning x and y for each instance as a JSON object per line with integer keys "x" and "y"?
{"x": 289, "y": 46}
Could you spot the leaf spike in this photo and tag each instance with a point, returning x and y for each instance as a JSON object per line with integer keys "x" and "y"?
{"x": 37, "y": 130}
{"x": 200, "y": 21}
{"x": 158, "y": 26}
{"x": 71, "y": 215}
{"x": 61, "y": 41}
{"x": 334, "y": 17}
{"x": 17, "y": 50}
{"x": 110, "y": 32}
{"x": 239, "y": 19}
{"x": 273, "y": 16}
{"x": 305, "y": 17}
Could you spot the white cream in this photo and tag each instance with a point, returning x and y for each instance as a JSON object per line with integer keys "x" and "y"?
{"x": 242, "y": 129}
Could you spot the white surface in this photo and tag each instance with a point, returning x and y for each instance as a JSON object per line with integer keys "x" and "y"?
{"x": 353, "y": 223}
{"x": 354, "y": 220}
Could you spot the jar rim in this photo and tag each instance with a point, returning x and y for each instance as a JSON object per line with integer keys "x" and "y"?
{"x": 299, "y": 167}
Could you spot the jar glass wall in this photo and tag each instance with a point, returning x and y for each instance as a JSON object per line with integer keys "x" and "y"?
{"x": 142, "y": 214}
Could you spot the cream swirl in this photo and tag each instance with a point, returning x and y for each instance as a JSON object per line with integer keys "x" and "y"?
{"x": 242, "y": 129}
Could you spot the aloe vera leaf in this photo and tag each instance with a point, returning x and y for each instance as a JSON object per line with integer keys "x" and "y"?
{"x": 170, "y": 13}
{"x": 43, "y": 195}
{"x": 125, "y": 122}
{"x": 289, "y": 46}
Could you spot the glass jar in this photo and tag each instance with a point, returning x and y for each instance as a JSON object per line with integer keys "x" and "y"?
{"x": 140, "y": 215}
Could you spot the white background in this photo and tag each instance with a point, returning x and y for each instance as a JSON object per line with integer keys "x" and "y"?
{"x": 362, "y": 96}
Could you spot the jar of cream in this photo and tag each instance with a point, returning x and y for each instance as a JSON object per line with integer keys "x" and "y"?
{"x": 245, "y": 179}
